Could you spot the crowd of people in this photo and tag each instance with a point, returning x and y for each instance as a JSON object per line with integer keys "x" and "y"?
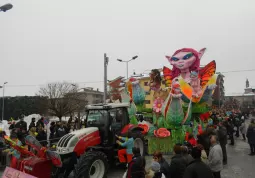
{"x": 200, "y": 157}
{"x": 39, "y": 130}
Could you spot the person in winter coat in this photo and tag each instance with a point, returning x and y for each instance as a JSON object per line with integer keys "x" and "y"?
{"x": 136, "y": 168}
{"x": 215, "y": 159}
{"x": 164, "y": 166}
{"x": 42, "y": 136}
{"x": 154, "y": 171}
{"x": 33, "y": 132}
{"x": 243, "y": 129}
{"x": 60, "y": 132}
{"x": 40, "y": 123}
{"x": 251, "y": 136}
{"x": 204, "y": 156}
{"x": 185, "y": 153}
{"x": 223, "y": 139}
{"x": 32, "y": 124}
{"x": 204, "y": 140}
{"x": 52, "y": 129}
{"x": 197, "y": 168}
{"x": 237, "y": 124}
{"x": 178, "y": 163}
{"x": 230, "y": 130}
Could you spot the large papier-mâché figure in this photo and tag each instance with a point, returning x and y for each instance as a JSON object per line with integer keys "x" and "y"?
{"x": 187, "y": 70}
{"x": 173, "y": 110}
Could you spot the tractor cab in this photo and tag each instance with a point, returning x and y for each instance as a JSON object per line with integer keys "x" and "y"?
{"x": 110, "y": 119}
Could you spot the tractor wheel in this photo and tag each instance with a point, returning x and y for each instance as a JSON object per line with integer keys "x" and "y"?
{"x": 91, "y": 165}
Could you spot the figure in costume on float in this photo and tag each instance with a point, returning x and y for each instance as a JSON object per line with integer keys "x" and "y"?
{"x": 128, "y": 142}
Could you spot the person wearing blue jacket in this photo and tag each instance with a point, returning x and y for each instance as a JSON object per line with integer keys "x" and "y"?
{"x": 128, "y": 143}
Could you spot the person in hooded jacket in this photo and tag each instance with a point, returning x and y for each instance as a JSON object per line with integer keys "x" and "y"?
{"x": 197, "y": 168}
{"x": 164, "y": 166}
{"x": 251, "y": 136}
{"x": 136, "y": 168}
{"x": 178, "y": 163}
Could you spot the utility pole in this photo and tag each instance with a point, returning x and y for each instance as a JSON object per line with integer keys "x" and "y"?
{"x": 106, "y": 60}
{"x": 3, "y": 100}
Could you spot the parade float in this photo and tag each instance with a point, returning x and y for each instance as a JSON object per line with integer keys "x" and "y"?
{"x": 181, "y": 99}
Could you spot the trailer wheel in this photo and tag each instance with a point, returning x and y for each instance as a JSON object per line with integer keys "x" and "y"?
{"x": 91, "y": 165}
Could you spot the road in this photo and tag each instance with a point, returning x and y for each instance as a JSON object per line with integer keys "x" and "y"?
{"x": 240, "y": 164}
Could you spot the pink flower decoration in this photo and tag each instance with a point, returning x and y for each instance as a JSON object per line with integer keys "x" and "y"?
{"x": 157, "y": 105}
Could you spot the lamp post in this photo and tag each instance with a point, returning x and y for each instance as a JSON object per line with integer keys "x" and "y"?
{"x": 6, "y": 7}
{"x": 3, "y": 100}
{"x": 133, "y": 58}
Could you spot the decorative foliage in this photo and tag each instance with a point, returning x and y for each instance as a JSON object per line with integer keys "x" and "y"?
{"x": 138, "y": 93}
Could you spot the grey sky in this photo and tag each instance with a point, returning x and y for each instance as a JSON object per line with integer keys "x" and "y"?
{"x": 55, "y": 40}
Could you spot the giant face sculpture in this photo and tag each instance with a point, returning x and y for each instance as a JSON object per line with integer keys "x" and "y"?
{"x": 185, "y": 60}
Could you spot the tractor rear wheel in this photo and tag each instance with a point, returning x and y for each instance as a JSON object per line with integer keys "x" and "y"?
{"x": 92, "y": 164}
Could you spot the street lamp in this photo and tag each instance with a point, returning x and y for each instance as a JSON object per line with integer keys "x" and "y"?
{"x": 6, "y": 7}
{"x": 3, "y": 99}
{"x": 133, "y": 58}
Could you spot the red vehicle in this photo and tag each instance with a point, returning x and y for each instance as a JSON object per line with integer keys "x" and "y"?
{"x": 40, "y": 164}
{"x": 94, "y": 147}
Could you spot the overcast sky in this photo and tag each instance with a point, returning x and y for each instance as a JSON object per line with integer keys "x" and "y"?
{"x": 63, "y": 40}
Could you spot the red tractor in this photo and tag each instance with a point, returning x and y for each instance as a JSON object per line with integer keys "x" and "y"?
{"x": 91, "y": 150}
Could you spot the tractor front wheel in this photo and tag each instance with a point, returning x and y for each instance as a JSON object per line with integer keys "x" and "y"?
{"x": 92, "y": 164}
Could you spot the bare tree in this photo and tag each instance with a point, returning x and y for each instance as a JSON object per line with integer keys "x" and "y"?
{"x": 63, "y": 98}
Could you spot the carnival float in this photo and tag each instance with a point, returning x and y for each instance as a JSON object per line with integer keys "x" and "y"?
{"x": 181, "y": 99}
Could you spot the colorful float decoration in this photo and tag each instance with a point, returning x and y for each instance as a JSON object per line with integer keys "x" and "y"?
{"x": 180, "y": 95}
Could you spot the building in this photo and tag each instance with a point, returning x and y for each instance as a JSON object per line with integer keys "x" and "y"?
{"x": 92, "y": 96}
{"x": 144, "y": 81}
{"x": 246, "y": 99}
